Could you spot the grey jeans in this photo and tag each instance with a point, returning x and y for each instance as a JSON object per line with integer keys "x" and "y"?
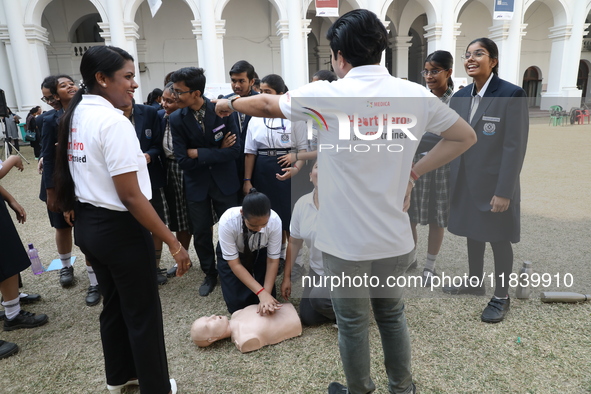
{"x": 351, "y": 306}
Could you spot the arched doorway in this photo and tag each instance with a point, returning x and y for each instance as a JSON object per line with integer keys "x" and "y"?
{"x": 71, "y": 31}
{"x": 418, "y": 49}
{"x": 583, "y": 80}
{"x": 532, "y": 82}
{"x": 86, "y": 29}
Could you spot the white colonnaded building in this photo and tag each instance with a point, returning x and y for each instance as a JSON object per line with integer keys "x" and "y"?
{"x": 545, "y": 47}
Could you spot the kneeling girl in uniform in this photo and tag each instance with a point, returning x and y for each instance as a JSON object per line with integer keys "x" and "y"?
{"x": 248, "y": 254}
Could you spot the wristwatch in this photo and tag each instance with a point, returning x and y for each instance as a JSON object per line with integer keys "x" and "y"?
{"x": 231, "y": 100}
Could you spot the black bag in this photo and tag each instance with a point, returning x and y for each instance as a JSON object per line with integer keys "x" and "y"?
{"x": 3, "y": 106}
{"x": 30, "y": 136}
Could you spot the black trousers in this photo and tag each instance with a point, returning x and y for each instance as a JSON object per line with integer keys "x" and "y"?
{"x": 121, "y": 252}
{"x": 316, "y": 305}
{"x": 13, "y": 141}
{"x": 503, "y": 257}
{"x": 36, "y": 145}
{"x": 201, "y": 216}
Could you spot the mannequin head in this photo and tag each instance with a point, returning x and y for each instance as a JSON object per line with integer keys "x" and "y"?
{"x": 208, "y": 329}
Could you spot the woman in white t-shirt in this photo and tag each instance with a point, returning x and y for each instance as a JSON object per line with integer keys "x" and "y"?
{"x": 248, "y": 254}
{"x": 315, "y": 306}
{"x": 267, "y": 140}
{"x": 102, "y": 174}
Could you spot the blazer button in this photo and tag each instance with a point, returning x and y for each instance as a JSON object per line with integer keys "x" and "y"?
{"x": 210, "y": 167}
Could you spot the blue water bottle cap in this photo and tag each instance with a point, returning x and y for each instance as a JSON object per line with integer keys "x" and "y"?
{"x": 31, "y": 246}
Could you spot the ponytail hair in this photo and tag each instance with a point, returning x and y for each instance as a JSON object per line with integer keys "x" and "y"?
{"x": 104, "y": 59}
{"x": 33, "y": 110}
{"x": 256, "y": 204}
{"x": 153, "y": 96}
{"x": 443, "y": 59}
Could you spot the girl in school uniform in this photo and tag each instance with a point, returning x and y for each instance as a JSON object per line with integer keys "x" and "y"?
{"x": 485, "y": 191}
{"x": 267, "y": 141}
{"x": 429, "y": 201}
{"x": 248, "y": 254}
{"x": 102, "y": 174}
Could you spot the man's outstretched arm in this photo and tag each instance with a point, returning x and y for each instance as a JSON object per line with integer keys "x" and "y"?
{"x": 260, "y": 105}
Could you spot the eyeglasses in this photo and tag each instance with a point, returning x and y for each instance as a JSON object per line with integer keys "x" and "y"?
{"x": 433, "y": 73}
{"x": 48, "y": 100}
{"x": 177, "y": 94}
{"x": 477, "y": 54}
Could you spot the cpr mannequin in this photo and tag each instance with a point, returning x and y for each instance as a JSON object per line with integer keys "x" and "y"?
{"x": 249, "y": 330}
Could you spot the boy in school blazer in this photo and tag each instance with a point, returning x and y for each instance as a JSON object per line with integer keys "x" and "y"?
{"x": 211, "y": 177}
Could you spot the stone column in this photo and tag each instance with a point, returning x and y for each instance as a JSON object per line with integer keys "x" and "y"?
{"x": 275, "y": 45}
{"x": 400, "y": 45}
{"x": 564, "y": 63}
{"x": 7, "y": 63}
{"x": 198, "y": 32}
{"x": 507, "y": 35}
{"x": 131, "y": 36}
{"x": 105, "y": 32}
{"x": 283, "y": 34}
{"x": 38, "y": 38}
{"x": 19, "y": 57}
{"x": 450, "y": 30}
{"x": 220, "y": 32}
{"x": 298, "y": 54}
{"x": 210, "y": 49}
{"x": 116, "y": 36}
{"x": 433, "y": 35}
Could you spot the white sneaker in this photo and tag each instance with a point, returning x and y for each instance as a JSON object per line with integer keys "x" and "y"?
{"x": 117, "y": 389}
{"x": 173, "y": 386}
{"x": 428, "y": 276}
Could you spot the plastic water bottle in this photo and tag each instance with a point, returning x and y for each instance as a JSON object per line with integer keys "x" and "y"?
{"x": 36, "y": 265}
{"x": 523, "y": 291}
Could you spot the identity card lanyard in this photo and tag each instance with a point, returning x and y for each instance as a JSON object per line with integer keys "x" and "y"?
{"x": 284, "y": 135}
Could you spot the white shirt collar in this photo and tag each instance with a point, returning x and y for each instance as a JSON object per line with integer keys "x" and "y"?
{"x": 309, "y": 199}
{"x": 95, "y": 99}
{"x": 373, "y": 70}
{"x": 483, "y": 90}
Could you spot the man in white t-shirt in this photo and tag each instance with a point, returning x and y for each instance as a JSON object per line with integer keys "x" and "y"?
{"x": 370, "y": 124}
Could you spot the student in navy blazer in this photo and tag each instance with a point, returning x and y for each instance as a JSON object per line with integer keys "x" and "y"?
{"x": 211, "y": 179}
{"x": 148, "y": 127}
{"x": 177, "y": 215}
{"x": 242, "y": 78}
{"x": 149, "y": 132}
{"x": 485, "y": 191}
